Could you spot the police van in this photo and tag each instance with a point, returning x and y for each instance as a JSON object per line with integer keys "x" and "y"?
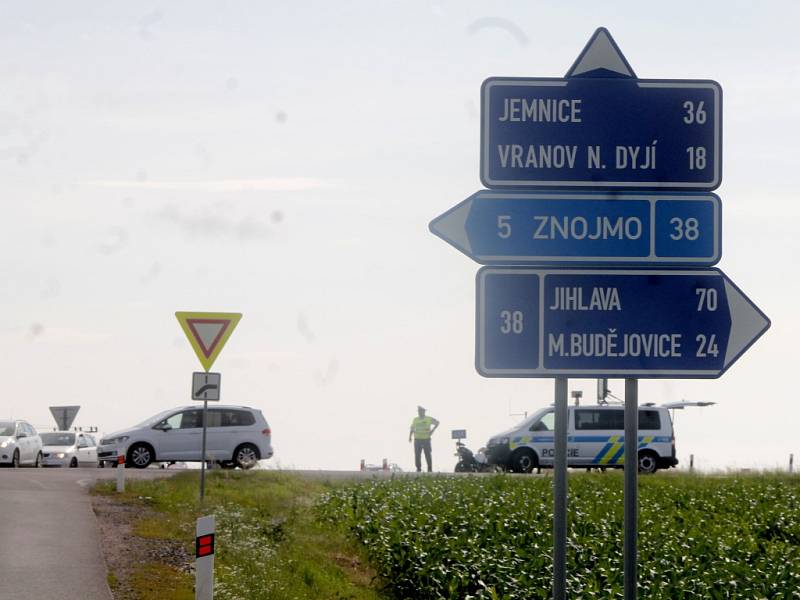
{"x": 595, "y": 438}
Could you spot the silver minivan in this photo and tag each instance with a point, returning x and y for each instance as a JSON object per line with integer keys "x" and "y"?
{"x": 237, "y": 436}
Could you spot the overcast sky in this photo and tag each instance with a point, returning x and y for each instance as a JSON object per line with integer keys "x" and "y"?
{"x": 283, "y": 160}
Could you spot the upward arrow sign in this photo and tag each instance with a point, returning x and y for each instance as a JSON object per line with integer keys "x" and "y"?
{"x": 601, "y": 58}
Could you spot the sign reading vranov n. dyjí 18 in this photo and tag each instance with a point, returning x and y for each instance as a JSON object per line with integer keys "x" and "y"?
{"x": 599, "y": 230}
{"x": 600, "y": 127}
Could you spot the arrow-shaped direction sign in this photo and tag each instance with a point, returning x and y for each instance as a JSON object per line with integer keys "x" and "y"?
{"x": 599, "y": 229}
{"x": 611, "y": 323}
{"x": 600, "y": 126}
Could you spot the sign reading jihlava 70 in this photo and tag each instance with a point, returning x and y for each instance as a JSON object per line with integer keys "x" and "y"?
{"x": 611, "y": 323}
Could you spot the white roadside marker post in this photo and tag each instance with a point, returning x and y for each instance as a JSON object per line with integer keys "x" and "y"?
{"x": 204, "y": 558}
{"x": 120, "y": 474}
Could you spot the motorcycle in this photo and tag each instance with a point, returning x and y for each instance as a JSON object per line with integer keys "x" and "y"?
{"x": 469, "y": 462}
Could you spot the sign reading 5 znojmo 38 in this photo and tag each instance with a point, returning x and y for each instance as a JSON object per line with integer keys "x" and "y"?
{"x": 613, "y": 131}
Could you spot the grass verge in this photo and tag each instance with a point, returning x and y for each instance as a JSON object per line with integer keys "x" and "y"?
{"x": 270, "y": 544}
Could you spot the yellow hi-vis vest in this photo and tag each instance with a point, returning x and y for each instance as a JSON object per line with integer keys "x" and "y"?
{"x": 422, "y": 427}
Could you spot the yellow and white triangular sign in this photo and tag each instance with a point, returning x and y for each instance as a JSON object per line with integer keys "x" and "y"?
{"x": 207, "y": 332}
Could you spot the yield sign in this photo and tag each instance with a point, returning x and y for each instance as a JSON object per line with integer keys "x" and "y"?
{"x": 208, "y": 332}
{"x": 64, "y": 415}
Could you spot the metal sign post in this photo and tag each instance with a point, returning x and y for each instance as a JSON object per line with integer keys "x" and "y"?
{"x": 631, "y": 490}
{"x": 560, "y": 493}
{"x": 203, "y": 453}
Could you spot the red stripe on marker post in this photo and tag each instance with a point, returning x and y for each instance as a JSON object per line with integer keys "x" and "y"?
{"x": 204, "y": 545}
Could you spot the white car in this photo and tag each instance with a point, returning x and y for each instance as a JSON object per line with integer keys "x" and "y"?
{"x": 19, "y": 444}
{"x": 68, "y": 449}
{"x": 237, "y": 436}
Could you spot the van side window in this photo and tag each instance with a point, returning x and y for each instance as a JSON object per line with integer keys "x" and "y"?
{"x": 649, "y": 419}
{"x": 192, "y": 419}
{"x": 546, "y": 423}
{"x": 214, "y": 418}
{"x": 589, "y": 418}
{"x": 237, "y": 418}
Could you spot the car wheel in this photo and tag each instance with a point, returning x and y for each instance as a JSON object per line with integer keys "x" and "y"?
{"x": 140, "y": 456}
{"x": 647, "y": 462}
{"x": 101, "y": 464}
{"x": 524, "y": 460}
{"x": 15, "y": 460}
{"x": 246, "y": 456}
{"x": 38, "y": 463}
{"x": 73, "y": 464}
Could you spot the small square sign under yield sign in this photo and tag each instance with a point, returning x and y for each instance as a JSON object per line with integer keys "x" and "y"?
{"x": 206, "y": 386}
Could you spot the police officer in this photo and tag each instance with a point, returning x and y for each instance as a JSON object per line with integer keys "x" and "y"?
{"x": 422, "y": 428}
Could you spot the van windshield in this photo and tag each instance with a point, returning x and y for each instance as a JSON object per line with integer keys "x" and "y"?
{"x": 528, "y": 422}
{"x": 154, "y": 419}
{"x": 545, "y": 423}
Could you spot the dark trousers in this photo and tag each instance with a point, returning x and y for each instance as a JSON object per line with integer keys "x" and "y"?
{"x": 419, "y": 447}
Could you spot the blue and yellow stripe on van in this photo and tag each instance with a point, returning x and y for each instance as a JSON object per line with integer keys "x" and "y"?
{"x": 613, "y": 452}
{"x": 523, "y": 440}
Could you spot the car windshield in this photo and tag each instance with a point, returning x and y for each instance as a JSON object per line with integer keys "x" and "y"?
{"x": 155, "y": 418}
{"x": 57, "y": 439}
{"x": 6, "y": 428}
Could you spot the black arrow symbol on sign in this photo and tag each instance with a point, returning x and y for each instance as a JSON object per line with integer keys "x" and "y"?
{"x": 205, "y": 388}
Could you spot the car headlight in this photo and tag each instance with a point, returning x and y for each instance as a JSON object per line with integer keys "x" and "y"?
{"x": 5, "y": 444}
{"x": 60, "y": 455}
{"x": 114, "y": 440}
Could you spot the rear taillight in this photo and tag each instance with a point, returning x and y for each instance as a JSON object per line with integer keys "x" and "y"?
{"x": 266, "y": 431}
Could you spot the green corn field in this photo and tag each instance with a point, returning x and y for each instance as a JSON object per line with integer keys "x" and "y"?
{"x": 490, "y": 537}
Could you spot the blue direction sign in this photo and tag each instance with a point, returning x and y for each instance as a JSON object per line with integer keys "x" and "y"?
{"x": 611, "y": 323}
{"x": 599, "y": 229}
{"x": 601, "y": 127}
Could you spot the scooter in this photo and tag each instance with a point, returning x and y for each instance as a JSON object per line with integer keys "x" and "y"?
{"x": 469, "y": 462}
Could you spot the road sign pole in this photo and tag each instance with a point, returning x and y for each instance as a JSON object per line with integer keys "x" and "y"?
{"x": 631, "y": 475}
{"x": 203, "y": 454}
{"x": 560, "y": 493}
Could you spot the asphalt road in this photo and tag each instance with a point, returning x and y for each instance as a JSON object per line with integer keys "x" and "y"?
{"x": 49, "y": 544}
